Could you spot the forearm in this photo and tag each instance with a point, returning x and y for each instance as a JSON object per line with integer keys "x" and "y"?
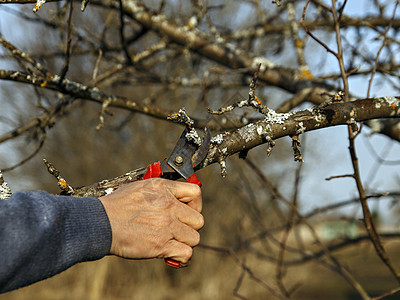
{"x": 42, "y": 235}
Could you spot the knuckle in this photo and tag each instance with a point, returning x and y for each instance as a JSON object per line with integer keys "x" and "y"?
{"x": 196, "y": 238}
{"x": 187, "y": 253}
{"x": 156, "y": 181}
{"x": 196, "y": 191}
{"x": 200, "y": 222}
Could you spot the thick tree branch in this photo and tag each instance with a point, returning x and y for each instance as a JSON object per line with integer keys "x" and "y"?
{"x": 273, "y": 127}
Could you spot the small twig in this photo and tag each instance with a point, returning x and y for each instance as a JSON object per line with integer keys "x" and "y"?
{"x": 336, "y": 266}
{"x": 66, "y": 189}
{"x": 24, "y": 56}
{"x": 341, "y": 10}
{"x": 387, "y": 294}
{"x": 121, "y": 34}
{"x": 238, "y": 285}
{"x": 222, "y": 110}
{"x": 68, "y": 46}
{"x": 298, "y": 43}
{"x": 368, "y": 221}
{"x": 222, "y": 164}
{"x": 296, "y": 148}
{"x": 339, "y": 54}
{"x": 327, "y": 48}
{"x": 30, "y": 156}
{"x": 182, "y": 117}
{"x": 339, "y": 176}
{"x": 84, "y": 4}
{"x": 380, "y": 158}
{"x": 96, "y": 67}
{"x": 38, "y": 5}
{"x": 246, "y": 269}
{"x": 252, "y": 101}
{"x": 380, "y": 49}
{"x": 253, "y": 86}
{"x": 104, "y": 110}
{"x": 291, "y": 222}
{"x": 277, "y": 2}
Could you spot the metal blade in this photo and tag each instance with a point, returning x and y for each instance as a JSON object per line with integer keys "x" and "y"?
{"x": 181, "y": 157}
{"x": 201, "y": 153}
{"x": 187, "y": 155}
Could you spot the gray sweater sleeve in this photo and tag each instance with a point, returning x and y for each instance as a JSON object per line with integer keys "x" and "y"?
{"x": 43, "y": 234}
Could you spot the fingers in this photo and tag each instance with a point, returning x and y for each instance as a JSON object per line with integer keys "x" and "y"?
{"x": 179, "y": 252}
{"x": 185, "y": 234}
{"x": 188, "y": 193}
{"x": 187, "y": 212}
{"x": 182, "y": 200}
{"x": 189, "y": 216}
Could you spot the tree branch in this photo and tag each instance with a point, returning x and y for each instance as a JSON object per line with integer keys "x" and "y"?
{"x": 272, "y": 128}
{"x": 78, "y": 90}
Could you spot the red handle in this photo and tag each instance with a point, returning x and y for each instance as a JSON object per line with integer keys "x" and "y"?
{"x": 193, "y": 179}
{"x": 153, "y": 171}
{"x": 172, "y": 263}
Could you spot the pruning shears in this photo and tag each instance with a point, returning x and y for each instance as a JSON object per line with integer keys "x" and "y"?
{"x": 188, "y": 153}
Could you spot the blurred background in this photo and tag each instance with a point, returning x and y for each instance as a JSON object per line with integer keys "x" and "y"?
{"x": 274, "y": 228}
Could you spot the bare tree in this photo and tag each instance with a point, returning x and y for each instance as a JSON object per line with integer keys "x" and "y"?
{"x": 101, "y": 84}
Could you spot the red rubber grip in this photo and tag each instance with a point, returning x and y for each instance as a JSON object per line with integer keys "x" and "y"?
{"x": 153, "y": 171}
{"x": 193, "y": 179}
{"x": 172, "y": 263}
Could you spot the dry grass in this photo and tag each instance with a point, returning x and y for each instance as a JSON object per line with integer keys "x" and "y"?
{"x": 210, "y": 276}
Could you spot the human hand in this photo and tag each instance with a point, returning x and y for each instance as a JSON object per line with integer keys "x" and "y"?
{"x": 155, "y": 218}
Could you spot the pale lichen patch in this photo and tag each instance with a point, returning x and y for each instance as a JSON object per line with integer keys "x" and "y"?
{"x": 392, "y": 100}
{"x": 277, "y": 118}
{"x": 319, "y": 118}
{"x": 247, "y": 133}
{"x": 300, "y": 128}
{"x": 224, "y": 151}
{"x": 109, "y": 191}
{"x": 218, "y": 139}
{"x": 260, "y": 130}
{"x": 194, "y": 137}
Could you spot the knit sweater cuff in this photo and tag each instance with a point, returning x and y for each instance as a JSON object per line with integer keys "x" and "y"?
{"x": 87, "y": 230}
